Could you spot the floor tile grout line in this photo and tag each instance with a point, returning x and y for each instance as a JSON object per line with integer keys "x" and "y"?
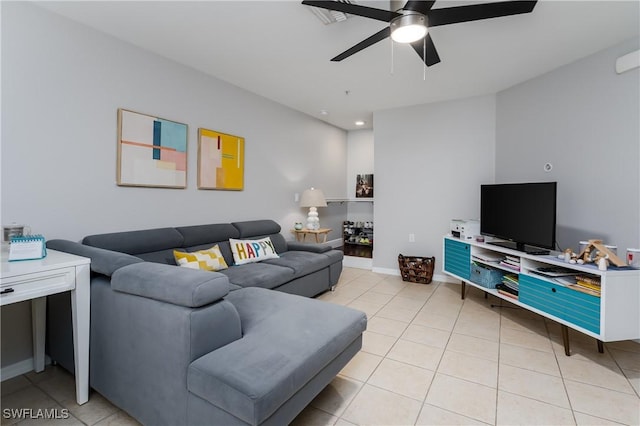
{"x": 437, "y": 367}
{"x": 495, "y": 415}
{"x": 435, "y": 372}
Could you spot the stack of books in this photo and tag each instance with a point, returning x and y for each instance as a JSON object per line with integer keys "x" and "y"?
{"x": 587, "y": 284}
{"x": 511, "y": 262}
{"x": 509, "y": 286}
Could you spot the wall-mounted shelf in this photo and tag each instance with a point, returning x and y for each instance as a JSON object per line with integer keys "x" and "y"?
{"x": 349, "y": 200}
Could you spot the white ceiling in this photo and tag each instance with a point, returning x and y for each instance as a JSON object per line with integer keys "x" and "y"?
{"x": 280, "y": 50}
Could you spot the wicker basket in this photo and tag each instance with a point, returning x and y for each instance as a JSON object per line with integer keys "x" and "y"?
{"x": 416, "y": 269}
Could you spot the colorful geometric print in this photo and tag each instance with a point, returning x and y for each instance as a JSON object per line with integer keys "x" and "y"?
{"x": 207, "y": 260}
{"x": 248, "y": 251}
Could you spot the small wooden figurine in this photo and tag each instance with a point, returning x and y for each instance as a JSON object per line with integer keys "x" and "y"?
{"x": 603, "y": 253}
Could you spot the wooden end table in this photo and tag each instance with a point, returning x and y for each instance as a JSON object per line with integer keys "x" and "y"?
{"x": 301, "y": 234}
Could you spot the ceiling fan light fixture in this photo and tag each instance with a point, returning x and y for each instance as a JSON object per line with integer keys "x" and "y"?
{"x": 408, "y": 28}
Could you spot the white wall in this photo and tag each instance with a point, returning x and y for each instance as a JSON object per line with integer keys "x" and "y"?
{"x": 430, "y": 161}
{"x": 360, "y": 155}
{"x": 585, "y": 120}
{"x": 62, "y": 84}
{"x": 360, "y": 160}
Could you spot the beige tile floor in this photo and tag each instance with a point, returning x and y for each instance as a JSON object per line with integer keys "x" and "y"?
{"x": 428, "y": 358}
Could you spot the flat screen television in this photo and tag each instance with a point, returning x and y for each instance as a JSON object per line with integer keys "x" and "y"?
{"x": 524, "y": 214}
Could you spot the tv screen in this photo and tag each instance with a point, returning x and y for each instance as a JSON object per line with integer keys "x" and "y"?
{"x": 522, "y": 213}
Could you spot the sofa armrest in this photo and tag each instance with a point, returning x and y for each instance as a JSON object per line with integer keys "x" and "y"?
{"x": 103, "y": 261}
{"x": 172, "y": 284}
{"x": 315, "y": 248}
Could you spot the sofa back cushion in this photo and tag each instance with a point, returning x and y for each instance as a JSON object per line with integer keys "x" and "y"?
{"x": 256, "y": 228}
{"x": 179, "y": 286}
{"x": 103, "y": 261}
{"x": 160, "y": 256}
{"x": 157, "y": 245}
{"x": 138, "y": 242}
{"x": 278, "y": 242}
{"x": 207, "y": 234}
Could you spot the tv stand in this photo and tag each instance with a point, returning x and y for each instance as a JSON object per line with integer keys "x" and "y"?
{"x": 613, "y": 314}
{"x": 520, "y": 247}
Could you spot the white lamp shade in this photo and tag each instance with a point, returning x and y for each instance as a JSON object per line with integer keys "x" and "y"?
{"x": 313, "y": 198}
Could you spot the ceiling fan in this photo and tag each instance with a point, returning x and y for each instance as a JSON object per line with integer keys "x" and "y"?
{"x": 410, "y": 23}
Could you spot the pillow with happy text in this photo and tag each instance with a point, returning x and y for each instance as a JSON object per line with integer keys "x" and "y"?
{"x": 248, "y": 251}
{"x": 208, "y": 260}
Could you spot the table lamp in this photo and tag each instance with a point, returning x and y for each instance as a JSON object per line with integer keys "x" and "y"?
{"x": 313, "y": 198}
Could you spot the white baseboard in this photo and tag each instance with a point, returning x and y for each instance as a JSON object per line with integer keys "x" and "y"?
{"x": 357, "y": 262}
{"x": 386, "y": 271}
{"x": 17, "y": 369}
{"x": 445, "y": 278}
{"x": 396, "y": 272}
{"x": 335, "y": 243}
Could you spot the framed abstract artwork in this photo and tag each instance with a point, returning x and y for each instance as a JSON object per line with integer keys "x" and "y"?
{"x": 151, "y": 151}
{"x": 220, "y": 161}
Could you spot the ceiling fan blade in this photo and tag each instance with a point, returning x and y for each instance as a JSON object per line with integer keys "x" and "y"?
{"x": 432, "y": 54}
{"x": 474, "y": 12}
{"x": 379, "y": 36}
{"x": 354, "y": 9}
{"x": 419, "y": 6}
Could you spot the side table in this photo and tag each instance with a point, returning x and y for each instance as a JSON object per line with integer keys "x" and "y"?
{"x": 301, "y": 234}
{"x": 34, "y": 280}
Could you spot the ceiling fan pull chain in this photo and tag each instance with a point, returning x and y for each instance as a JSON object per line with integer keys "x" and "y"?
{"x": 391, "y": 55}
{"x": 424, "y": 63}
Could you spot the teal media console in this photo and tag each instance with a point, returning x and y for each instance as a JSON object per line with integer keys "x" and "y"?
{"x": 612, "y": 316}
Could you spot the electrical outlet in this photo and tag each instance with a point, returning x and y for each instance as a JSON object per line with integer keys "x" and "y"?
{"x": 412, "y": 238}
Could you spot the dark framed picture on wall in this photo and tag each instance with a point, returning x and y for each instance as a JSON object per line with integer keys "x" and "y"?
{"x": 364, "y": 186}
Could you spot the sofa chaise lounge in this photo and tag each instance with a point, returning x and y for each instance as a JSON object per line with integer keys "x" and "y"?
{"x": 173, "y": 345}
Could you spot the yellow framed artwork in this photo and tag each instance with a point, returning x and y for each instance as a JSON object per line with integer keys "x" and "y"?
{"x": 220, "y": 161}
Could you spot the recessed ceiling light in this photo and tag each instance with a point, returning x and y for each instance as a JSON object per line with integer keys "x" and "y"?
{"x": 360, "y": 123}
{"x": 324, "y": 112}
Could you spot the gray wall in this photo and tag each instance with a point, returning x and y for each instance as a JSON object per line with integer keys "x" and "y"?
{"x": 429, "y": 163}
{"x": 582, "y": 118}
{"x": 62, "y": 84}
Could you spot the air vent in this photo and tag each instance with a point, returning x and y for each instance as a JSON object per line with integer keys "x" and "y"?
{"x": 330, "y": 16}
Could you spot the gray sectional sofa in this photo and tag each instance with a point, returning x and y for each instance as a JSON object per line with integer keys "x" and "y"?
{"x": 174, "y": 346}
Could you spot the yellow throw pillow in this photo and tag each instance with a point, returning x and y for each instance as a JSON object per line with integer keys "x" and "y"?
{"x": 208, "y": 260}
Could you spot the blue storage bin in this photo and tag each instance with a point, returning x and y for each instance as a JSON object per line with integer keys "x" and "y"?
{"x": 485, "y": 276}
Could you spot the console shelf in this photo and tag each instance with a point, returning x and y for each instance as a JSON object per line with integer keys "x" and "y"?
{"x": 610, "y": 314}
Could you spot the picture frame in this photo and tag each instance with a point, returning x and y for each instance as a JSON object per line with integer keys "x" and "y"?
{"x": 220, "y": 161}
{"x": 364, "y": 186}
{"x": 152, "y": 151}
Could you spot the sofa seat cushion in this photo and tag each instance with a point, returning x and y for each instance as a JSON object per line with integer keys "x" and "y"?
{"x": 302, "y": 262}
{"x": 287, "y": 340}
{"x": 258, "y": 275}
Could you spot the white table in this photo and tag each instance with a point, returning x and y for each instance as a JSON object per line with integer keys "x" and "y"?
{"x": 36, "y": 279}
